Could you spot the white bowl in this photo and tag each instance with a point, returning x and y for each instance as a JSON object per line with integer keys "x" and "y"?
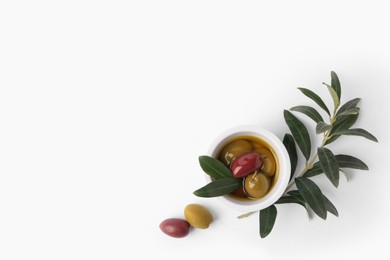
{"x": 283, "y": 172}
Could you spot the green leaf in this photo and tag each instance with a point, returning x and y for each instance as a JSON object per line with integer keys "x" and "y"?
{"x": 357, "y": 132}
{"x": 214, "y": 168}
{"x": 344, "y": 122}
{"x": 336, "y": 86}
{"x": 310, "y": 94}
{"x": 343, "y": 160}
{"x": 352, "y": 111}
{"x": 312, "y": 195}
{"x": 349, "y": 105}
{"x": 310, "y": 112}
{"x": 298, "y": 197}
{"x": 348, "y": 161}
{"x": 289, "y": 199}
{"x": 329, "y": 165}
{"x": 335, "y": 98}
{"x": 289, "y": 143}
{"x": 296, "y": 194}
{"x": 219, "y": 187}
{"x": 331, "y": 139}
{"x": 299, "y": 132}
{"x": 322, "y": 127}
{"x": 315, "y": 170}
{"x": 330, "y": 207}
{"x": 267, "y": 219}
{"x": 341, "y": 123}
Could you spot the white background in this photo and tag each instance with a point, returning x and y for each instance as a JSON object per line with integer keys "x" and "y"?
{"x": 105, "y": 107}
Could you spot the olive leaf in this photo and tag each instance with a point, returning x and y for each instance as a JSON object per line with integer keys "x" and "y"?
{"x": 348, "y": 161}
{"x": 331, "y": 139}
{"x": 344, "y": 122}
{"x": 352, "y": 111}
{"x": 289, "y": 143}
{"x": 343, "y": 160}
{"x": 309, "y": 111}
{"x": 329, "y": 165}
{"x": 341, "y": 123}
{"x": 299, "y": 132}
{"x": 357, "y": 132}
{"x": 290, "y": 199}
{"x": 335, "y": 84}
{"x": 333, "y": 94}
{"x": 328, "y": 204}
{"x": 348, "y": 105}
{"x": 330, "y": 207}
{"x": 310, "y": 94}
{"x": 296, "y": 194}
{"x": 312, "y": 195}
{"x": 267, "y": 219}
{"x": 322, "y": 127}
{"x": 314, "y": 170}
{"x": 213, "y": 167}
{"x": 219, "y": 187}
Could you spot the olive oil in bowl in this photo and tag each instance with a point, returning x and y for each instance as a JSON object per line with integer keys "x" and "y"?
{"x": 242, "y": 149}
{"x": 257, "y": 184}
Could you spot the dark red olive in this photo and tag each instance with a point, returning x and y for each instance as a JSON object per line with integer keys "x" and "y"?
{"x": 175, "y": 227}
{"x": 246, "y": 164}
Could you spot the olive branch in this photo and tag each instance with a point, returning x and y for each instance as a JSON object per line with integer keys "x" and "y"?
{"x": 340, "y": 123}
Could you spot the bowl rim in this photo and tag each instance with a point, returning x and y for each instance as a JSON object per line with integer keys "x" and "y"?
{"x": 284, "y": 166}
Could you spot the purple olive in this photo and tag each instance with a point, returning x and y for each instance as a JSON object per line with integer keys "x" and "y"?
{"x": 175, "y": 227}
{"x": 246, "y": 164}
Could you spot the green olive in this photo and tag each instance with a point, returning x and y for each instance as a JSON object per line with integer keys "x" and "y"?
{"x": 256, "y": 145}
{"x": 269, "y": 165}
{"x": 198, "y": 216}
{"x": 257, "y": 185}
{"x": 234, "y": 149}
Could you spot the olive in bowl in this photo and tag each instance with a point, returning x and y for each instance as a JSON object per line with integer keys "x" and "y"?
{"x": 259, "y": 158}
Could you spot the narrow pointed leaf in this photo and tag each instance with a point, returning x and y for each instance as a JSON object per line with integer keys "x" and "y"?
{"x": 336, "y": 86}
{"x": 343, "y": 160}
{"x": 296, "y": 194}
{"x": 348, "y": 105}
{"x": 330, "y": 207}
{"x": 322, "y": 127}
{"x": 312, "y": 195}
{"x": 333, "y": 94}
{"x": 245, "y": 215}
{"x": 213, "y": 167}
{"x": 267, "y": 219}
{"x": 329, "y": 165}
{"x": 299, "y": 132}
{"x": 219, "y": 187}
{"x": 310, "y": 94}
{"x": 357, "y": 132}
{"x": 289, "y": 199}
{"x": 352, "y": 111}
{"x": 348, "y": 161}
{"x": 315, "y": 170}
{"x": 344, "y": 122}
{"x": 289, "y": 143}
{"x": 310, "y": 112}
{"x": 341, "y": 123}
{"x": 332, "y": 139}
